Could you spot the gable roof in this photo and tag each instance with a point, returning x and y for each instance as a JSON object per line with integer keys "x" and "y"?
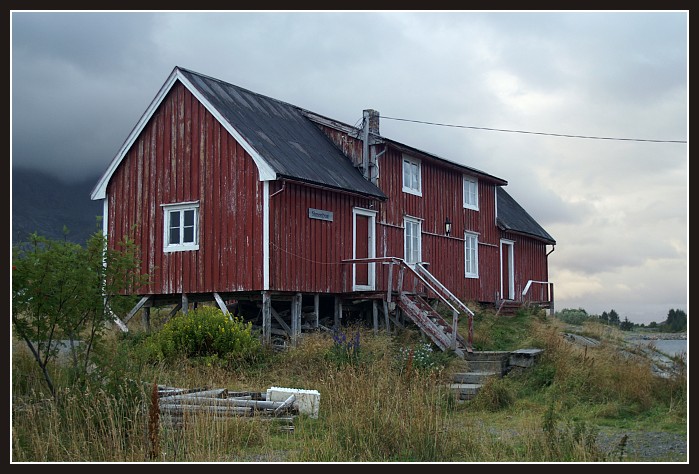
{"x": 513, "y": 218}
{"x": 282, "y": 142}
{"x": 376, "y": 138}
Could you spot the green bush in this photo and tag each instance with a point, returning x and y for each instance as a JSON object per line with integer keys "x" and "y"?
{"x": 203, "y": 332}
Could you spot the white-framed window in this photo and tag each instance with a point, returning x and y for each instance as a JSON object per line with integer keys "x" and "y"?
{"x": 470, "y": 193}
{"x": 412, "y": 175}
{"x": 471, "y": 254}
{"x": 181, "y": 226}
{"x": 413, "y": 240}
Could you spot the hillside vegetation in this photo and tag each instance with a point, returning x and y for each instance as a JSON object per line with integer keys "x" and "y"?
{"x": 383, "y": 398}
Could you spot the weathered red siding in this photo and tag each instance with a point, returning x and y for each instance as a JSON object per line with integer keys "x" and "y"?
{"x": 306, "y": 254}
{"x": 442, "y": 197}
{"x": 530, "y": 263}
{"x": 184, "y": 154}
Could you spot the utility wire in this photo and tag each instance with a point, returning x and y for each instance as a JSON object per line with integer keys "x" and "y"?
{"x": 536, "y": 133}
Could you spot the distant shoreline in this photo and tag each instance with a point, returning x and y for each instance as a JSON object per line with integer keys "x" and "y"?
{"x": 655, "y": 336}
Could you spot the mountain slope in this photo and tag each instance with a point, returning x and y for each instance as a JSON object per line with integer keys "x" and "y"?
{"x": 44, "y": 204}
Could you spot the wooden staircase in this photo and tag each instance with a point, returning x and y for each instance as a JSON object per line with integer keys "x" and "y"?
{"x": 508, "y": 308}
{"x": 413, "y": 305}
{"x": 432, "y": 324}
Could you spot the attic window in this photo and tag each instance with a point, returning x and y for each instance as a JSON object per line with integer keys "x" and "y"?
{"x": 412, "y": 179}
{"x": 470, "y": 193}
{"x": 181, "y": 227}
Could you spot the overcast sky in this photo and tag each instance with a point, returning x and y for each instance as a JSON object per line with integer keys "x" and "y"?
{"x": 617, "y": 207}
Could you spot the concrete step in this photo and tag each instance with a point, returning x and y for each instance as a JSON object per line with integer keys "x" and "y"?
{"x": 465, "y": 391}
{"x": 496, "y": 366}
{"x": 473, "y": 377}
{"x": 488, "y": 355}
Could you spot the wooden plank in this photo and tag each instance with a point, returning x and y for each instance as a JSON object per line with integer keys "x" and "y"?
{"x": 279, "y": 319}
{"x": 338, "y": 311}
{"x": 145, "y": 318}
{"x": 175, "y": 409}
{"x": 117, "y": 321}
{"x": 386, "y": 320}
{"x": 266, "y": 318}
{"x": 285, "y": 404}
{"x": 399, "y": 285}
{"x": 389, "y": 291}
{"x": 172, "y": 312}
{"x": 135, "y": 309}
{"x": 296, "y": 317}
{"x": 222, "y": 305}
{"x": 316, "y": 310}
{"x": 375, "y": 314}
{"x": 215, "y": 393}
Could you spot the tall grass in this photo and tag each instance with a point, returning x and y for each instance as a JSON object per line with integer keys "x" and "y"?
{"x": 376, "y": 404}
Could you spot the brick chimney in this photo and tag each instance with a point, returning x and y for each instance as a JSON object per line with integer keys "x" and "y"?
{"x": 373, "y": 120}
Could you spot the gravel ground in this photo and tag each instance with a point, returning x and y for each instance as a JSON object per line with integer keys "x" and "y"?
{"x": 644, "y": 446}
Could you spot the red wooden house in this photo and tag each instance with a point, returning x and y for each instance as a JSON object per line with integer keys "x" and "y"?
{"x": 232, "y": 195}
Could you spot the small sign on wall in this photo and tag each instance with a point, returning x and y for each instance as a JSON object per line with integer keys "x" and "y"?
{"x": 320, "y": 214}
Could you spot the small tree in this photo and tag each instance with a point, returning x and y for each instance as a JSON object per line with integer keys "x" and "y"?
{"x": 613, "y": 318}
{"x": 63, "y": 291}
{"x": 626, "y": 325}
{"x": 676, "y": 320}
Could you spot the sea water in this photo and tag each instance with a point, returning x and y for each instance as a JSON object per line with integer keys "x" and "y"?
{"x": 671, "y": 347}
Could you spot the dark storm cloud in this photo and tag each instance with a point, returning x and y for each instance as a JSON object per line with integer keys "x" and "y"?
{"x": 75, "y": 93}
{"x": 618, "y": 210}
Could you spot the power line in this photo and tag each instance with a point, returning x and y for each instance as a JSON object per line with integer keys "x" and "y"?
{"x": 536, "y": 133}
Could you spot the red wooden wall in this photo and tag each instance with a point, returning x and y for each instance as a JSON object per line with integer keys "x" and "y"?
{"x": 184, "y": 154}
{"x": 306, "y": 254}
{"x": 442, "y": 197}
{"x": 530, "y": 263}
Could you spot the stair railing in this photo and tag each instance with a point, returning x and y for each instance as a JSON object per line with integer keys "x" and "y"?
{"x": 431, "y": 283}
{"x": 446, "y": 294}
{"x": 545, "y": 285}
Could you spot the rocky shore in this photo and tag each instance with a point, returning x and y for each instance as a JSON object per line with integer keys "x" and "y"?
{"x": 656, "y": 336}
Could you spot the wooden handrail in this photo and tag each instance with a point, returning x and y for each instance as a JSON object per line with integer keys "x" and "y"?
{"x": 443, "y": 288}
{"x": 427, "y": 275}
{"x": 529, "y": 284}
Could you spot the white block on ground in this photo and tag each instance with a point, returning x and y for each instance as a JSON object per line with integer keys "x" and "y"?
{"x": 307, "y": 401}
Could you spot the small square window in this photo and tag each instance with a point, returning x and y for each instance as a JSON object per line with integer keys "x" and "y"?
{"x": 181, "y": 227}
{"x": 412, "y": 179}
{"x": 470, "y": 193}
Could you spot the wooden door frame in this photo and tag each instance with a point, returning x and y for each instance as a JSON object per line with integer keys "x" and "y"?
{"x": 371, "y": 270}
{"x": 509, "y": 246}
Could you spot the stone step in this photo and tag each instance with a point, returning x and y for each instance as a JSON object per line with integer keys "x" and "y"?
{"x": 473, "y": 377}
{"x": 496, "y": 366}
{"x": 488, "y": 355}
{"x": 465, "y": 391}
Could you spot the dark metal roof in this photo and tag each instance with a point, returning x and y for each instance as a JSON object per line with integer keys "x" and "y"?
{"x": 512, "y": 217}
{"x": 288, "y": 141}
{"x": 481, "y": 174}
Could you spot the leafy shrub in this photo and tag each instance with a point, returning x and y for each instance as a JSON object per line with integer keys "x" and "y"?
{"x": 203, "y": 332}
{"x": 573, "y": 316}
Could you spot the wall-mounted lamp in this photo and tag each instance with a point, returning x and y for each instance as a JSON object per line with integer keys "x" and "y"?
{"x": 447, "y": 227}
